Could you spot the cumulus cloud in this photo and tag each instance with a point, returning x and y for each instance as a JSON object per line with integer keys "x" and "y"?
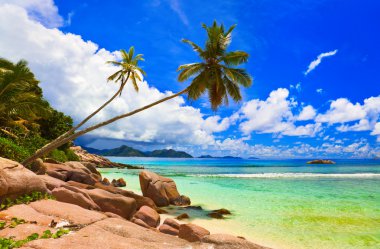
{"x": 342, "y": 110}
{"x": 308, "y": 112}
{"x": 73, "y": 76}
{"x": 275, "y": 115}
{"x": 318, "y": 61}
{"x": 42, "y": 11}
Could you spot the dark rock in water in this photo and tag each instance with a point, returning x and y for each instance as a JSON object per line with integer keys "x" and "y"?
{"x": 321, "y": 161}
{"x": 128, "y": 166}
{"x": 215, "y": 215}
{"x": 194, "y": 207}
{"x": 106, "y": 182}
{"x": 222, "y": 211}
{"x": 182, "y": 216}
{"x": 119, "y": 182}
{"x": 181, "y": 201}
{"x": 218, "y": 213}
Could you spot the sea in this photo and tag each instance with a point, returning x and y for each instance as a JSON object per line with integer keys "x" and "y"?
{"x": 276, "y": 203}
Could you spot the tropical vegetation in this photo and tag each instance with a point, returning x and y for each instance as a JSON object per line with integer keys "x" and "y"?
{"x": 27, "y": 121}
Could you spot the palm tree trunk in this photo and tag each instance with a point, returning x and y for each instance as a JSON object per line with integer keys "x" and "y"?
{"x": 70, "y": 132}
{"x": 46, "y": 149}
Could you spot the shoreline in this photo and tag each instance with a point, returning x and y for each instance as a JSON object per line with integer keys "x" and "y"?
{"x": 75, "y": 197}
{"x": 281, "y": 212}
{"x": 211, "y": 224}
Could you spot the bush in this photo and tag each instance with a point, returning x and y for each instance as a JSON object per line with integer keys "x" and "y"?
{"x": 58, "y": 155}
{"x": 32, "y": 142}
{"x": 12, "y": 151}
{"x": 71, "y": 156}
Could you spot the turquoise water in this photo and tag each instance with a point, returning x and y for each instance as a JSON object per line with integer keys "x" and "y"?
{"x": 278, "y": 203}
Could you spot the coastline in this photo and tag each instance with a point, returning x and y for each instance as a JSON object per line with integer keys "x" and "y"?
{"x": 216, "y": 226}
{"x": 72, "y": 204}
{"x": 282, "y": 212}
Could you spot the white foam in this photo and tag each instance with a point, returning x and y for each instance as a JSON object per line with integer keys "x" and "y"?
{"x": 296, "y": 175}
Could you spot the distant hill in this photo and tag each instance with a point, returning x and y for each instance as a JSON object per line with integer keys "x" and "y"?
{"x": 252, "y": 157}
{"x": 168, "y": 153}
{"x": 223, "y": 157}
{"x": 123, "y": 150}
{"x": 126, "y": 151}
{"x": 205, "y": 156}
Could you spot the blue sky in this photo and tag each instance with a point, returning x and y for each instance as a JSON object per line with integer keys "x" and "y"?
{"x": 339, "y": 97}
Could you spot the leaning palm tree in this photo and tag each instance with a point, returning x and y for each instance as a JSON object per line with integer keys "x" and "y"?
{"x": 216, "y": 73}
{"x": 129, "y": 70}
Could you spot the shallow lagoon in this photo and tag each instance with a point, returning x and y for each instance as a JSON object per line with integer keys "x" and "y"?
{"x": 278, "y": 203}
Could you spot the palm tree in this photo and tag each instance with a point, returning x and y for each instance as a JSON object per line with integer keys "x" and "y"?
{"x": 215, "y": 74}
{"x": 20, "y": 96}
{"x": 129, "y": 69}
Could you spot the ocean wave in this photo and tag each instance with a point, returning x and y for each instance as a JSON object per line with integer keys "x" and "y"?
{"x": 294, "y": 175}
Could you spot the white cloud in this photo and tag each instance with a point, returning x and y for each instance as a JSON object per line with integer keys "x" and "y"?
{"x": 319, "y": 90}
{"x": 341, "y": 110}
{"x": 308, "y": 112}
{"x": 43, "y": 11}
{"x": 73, "y": 76}
{"x": 212, "y": 124}
{"x": 376, "y": 130}
{"x": 266, "y": 116}
{"x": 362, "y": 125}
{"x": 317, "y": 61}
{"x": 274, "y": 115}
{"x": 344, "y": 112}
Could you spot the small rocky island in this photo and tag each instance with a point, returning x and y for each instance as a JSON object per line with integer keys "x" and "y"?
{"x": 321, "y": 161}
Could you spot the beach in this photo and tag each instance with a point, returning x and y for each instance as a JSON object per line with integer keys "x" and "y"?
{"x": 276, "y": 203}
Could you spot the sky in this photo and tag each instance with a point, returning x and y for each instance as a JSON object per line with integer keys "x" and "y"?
{"x": 316, "y": 88}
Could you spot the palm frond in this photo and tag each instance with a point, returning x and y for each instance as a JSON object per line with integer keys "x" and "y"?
{"x": 235, "y": 58}
{"x": 189, "y": 70}
{"x": 238, "y": 76}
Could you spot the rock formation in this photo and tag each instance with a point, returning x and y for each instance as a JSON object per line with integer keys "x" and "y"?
{"x": 162, "y": 190}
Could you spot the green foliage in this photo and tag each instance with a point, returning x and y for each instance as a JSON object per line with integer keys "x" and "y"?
{"x": 20, "y": 95}
{"x": 27, "y": 121}
{"x": 9, "y": 149}
{"x": 31, "y": 142}
{"x": 71, "y": 156}
{"x": 58, "y": 155}
{"x": 54, "y": 125}
{"x": 25, "y": 199}
{"x": 15, "y": 222}
{"x": 9, "y": 243}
